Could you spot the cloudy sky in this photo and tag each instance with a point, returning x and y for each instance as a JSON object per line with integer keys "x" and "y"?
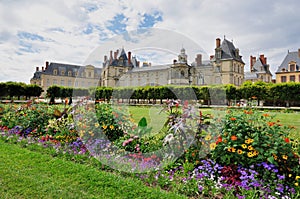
{"x": 82, "y": 31}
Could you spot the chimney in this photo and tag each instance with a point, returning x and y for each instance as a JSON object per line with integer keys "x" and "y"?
{"x": 110, "y": 57}
{"x": 138, "y": 63}
{"x": 218, "y": 43}
{"x": 47, "y": 64}
{"x": 42, "y": 68}
{"x": 198, "y": 60}
{"x": 129, "y": 57}
{"x": 116, "y": 54}
{"x": 299, "y": 52}
{"x": 105, "y": 58}
{"x": 37, "y": 68}
{"x": 262, "y": 58}
{"x": 211, "y": 57}
{"x": 174, "y": 61}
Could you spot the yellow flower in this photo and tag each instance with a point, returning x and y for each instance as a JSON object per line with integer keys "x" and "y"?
{"x": 255, "y": 153}
{"x": 285, "y": 157}
{"x": 231, "y": 149}
{"x": 250, "y": 148}
{"x": 297, "y": 177}
{"x": 111, "y": 127}
{"x": 207, "y": 137}
{"x": 239, "y": 151}
{"x": 249, "y": 141}
{"x": 296, "y": 184}
{"x": 250, "y": 154}
{"x": 104, "y": 127}
{"x": 212, "y": 146}
{"x": 244, "y": 146}
{"x": 97, "y": 125}
{"x": 290, "y": 175}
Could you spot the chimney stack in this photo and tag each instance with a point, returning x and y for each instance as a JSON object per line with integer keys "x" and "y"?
{"x": 129, "y": 57}
{"x": 42, "y": 68}
{"x": 218, "y": 43}
{"x": 174, "y": 61}
{"x": 198, "y": 60}
{"x": 47, "y": 64}
{"x": 105, "y": 58}
{"x": 262, "y": 59}
{"x": 37, "y": 68}
{"x": 299, "y": 52}
{"x": 211, "y": 57}
{"x": 111, "y": 57}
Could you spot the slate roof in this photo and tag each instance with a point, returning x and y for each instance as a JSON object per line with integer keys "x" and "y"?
{"x": 259, "y": 67}
{"x": 228, "y": 51}
{"x": 291, "y": 56}
{"x": 122, "y": 60}
{"x": 64, "y": 67}
{"x": 250, "y": 75}
{"x": 150, "y": 68}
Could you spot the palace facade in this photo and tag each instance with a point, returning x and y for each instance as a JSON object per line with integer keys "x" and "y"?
{"x": 122, "y": 69}
{"x": 289, "y": 69}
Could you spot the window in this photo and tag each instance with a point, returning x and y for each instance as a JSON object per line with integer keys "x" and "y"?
{"x": 62, "y": 82}
{"x": 54, "y": 81}
{"x": 182, "y": 73}
{"x": 62, "y": 72}
{"x": 90, "y": 74}
{"x": 76, "y": 74}
{"x": 292, "y": 78}
{"x": 70, "y": 73}
{"x": 48, "y": 82}
{"x": 54, "y": 72}
{"x": 283, "y": 78}
{"x": 292, "y": 67}
{"x": 69, "y": 83}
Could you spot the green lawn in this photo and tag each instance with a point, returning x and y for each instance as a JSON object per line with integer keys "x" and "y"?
{"x": 30, "y": 174}
{"x": 156, "y": 119}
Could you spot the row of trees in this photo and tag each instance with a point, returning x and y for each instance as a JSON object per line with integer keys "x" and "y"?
{"x": 9, "y": 90}
{"x": 283, "y": 94}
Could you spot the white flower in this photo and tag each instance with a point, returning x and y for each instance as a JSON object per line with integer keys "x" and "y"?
{"x": 168, "y": 139}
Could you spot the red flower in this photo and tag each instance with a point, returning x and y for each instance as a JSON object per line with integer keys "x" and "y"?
{"x": 232, "y": 118}
{"x": 219, "y": 140}
{"x": 233, "y": 138}
{"x": 287, "y": 140}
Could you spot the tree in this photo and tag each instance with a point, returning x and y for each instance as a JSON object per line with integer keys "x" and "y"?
{"x": 53, "y": 92}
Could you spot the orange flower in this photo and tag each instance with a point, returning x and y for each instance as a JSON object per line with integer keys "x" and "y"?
{"x": 271, "y": 123}
{"x": 232, "y": 118}
{"x": 233, "y": 138}
{"x": 287, "y": 140}
{"x": 219, "y": 140}
{"x": 266, "y": 115}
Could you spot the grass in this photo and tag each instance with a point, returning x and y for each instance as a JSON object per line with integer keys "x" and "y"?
{"x": 156, "y": 119}
{"x": 30, "y": 174}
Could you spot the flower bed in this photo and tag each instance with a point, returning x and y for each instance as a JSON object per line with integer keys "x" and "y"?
{"x": 243, "y": 154}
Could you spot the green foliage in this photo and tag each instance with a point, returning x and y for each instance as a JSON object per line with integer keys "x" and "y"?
{"x": 250, "y": 137}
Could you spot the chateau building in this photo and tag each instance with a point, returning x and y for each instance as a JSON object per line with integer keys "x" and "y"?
{"x": 224, "y": 67}
{"x": 289, "y": 71}
{"x": 120, "y": 69}
{"x": 66, "y": 75}
{"x": 259, "y": 70}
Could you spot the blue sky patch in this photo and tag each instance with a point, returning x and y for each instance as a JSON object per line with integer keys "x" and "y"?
{"x": 88, "y": 29}
{"x": 118, "y": 24}
{"x": 30, "y": 36}
{"x": 150, "y": 20}
{"x": 90, "y": 7}
{"x": 27, "y": 47}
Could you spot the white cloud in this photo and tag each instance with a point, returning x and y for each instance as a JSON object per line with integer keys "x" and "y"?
{"x": 256, "y": 27}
